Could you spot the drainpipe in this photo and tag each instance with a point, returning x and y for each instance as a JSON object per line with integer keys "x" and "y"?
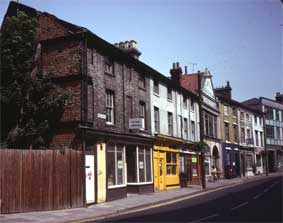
{"x": 201, "y": 128}
{"x": 83, "y": 109}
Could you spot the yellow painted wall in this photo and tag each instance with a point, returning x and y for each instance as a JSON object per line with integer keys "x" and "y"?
{"x": 101, "y": 173}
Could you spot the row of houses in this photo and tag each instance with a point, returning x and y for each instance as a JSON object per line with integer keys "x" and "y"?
{"x": 137, "y": 127}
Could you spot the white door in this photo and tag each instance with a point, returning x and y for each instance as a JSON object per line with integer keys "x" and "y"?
{"x": 89, "y": 178}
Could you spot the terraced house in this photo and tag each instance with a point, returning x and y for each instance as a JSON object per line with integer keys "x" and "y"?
{"x": 241, "y": 136}
{"x": 201, "y": 83}
{"x": 273, "y": 114}
{"x": 175, "y": 125}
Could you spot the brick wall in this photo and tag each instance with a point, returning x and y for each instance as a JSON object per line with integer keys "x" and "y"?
{"x": 62, "y": 57}
{"x": 50, "y": 27}
{"x": 103, "y": 81}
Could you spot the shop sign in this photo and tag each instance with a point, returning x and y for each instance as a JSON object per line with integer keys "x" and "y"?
{"x": 120, "y": 164}
{"x": 136, "y": 123}
{"x": 141, "y": 165}
{"x": 194, "y": 159}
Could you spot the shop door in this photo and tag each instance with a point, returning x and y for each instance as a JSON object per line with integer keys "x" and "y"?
{"x": 159, "y": 171}
{"x": 89, "y": 178}
{"x": 189, "y": 169}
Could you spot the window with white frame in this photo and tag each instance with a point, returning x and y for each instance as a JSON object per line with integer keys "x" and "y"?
{"x": 255, "y": 118}
{"x": 185, "y": 128}
{"x": 142, "y": 113}
{"x": 170, "y": 123}
{"x": 109, "y": 107}
{"x": 115, "y": 165}
{"x": 193, "y": 130}
{"x": 242, "y": 116}
{"x": 155, "y": 87}
{"x": 169, "y": 94}
{"x": 225, "y": 110}
{"x": 141, "y": 81}
{"x": 156, "y": 119}
{"x": 256, "y": 138}
{"x": 192, "y": 105}
{"x": 247, "y": 117}
{"x": 139, "y": 165}
{"x": 109, "y": 66}
{"x": 185, "y": 102}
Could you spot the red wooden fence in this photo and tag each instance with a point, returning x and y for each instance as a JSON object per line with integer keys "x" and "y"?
{"x": 36, "y": 180}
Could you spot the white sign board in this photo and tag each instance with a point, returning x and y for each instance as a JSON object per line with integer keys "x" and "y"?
{"x": 102, "y": 116}
{"x": 120, "y": 164}
{"x": 136, "y": 123}
{"x": 141, "y": 165}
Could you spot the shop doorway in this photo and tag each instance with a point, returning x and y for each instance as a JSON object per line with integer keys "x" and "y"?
{"x": 159, "y": 171}
{"x": 89, "y": 179}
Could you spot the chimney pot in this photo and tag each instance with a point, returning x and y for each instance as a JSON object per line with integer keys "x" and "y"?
{"x": 277, "y": 93}
{"x": 177, "y": 64}
{"x": 126, "y": 44}
{"x": 186, "y": 69}
{"x": 228, "y": 84}
{"x": 174, "y": 66}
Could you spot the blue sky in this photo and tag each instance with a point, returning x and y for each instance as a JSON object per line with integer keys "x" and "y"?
{"x": 237, "y": 40}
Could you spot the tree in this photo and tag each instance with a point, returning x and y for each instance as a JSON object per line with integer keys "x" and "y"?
{"x": 31, "y": 103}
{"x": 202, "y": 148}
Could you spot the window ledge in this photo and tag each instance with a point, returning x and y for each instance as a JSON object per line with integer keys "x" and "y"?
{"x": 155, "y": 94}
{"x": 110, "y": 124}
{"x": 109, "y": 74}
{"x": 170, "y": 100}
{"x": 116, "y": 186}
{"x": 142, "y": 88}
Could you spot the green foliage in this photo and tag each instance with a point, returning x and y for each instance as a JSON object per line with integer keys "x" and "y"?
{"x": 31, "y": 103}
{"x": 201, "y": 147}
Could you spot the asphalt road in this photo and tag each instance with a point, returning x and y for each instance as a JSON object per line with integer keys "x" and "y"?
{"x": 256, "y": 201}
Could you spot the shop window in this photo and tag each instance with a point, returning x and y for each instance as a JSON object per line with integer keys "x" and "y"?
{"x": 131, "y": 164}
{"x": 249, "y": 161}
{"x": 171, "y": 163}
{"x": 194, "y": 166}
{"x": 139, "y": 167}
{"x": 115, "y": 165}
{"x": 228, "y": 158}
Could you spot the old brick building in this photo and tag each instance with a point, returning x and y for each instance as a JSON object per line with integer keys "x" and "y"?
{"x": 109, "y": 87}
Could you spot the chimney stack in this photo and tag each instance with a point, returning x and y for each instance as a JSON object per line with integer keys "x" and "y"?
{"x": 176, "y": 73}
{"x": 129, "y": 47}
{"x": 279, "y": 97}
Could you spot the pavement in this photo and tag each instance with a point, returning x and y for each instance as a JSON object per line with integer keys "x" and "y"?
{"x": 133, "y": 203}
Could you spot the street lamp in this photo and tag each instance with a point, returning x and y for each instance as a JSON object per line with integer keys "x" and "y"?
{"x": 265, "y": 149}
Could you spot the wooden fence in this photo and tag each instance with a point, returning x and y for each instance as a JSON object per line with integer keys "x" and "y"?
{"x": 36, "y": 180}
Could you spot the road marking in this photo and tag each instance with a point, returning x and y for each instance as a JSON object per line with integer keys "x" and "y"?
{"x": 267, "y": 189}
{"x": 238, "y": 206}
{"x": 257, "y": 196}
{"x": 205, "y": 218}
{"x": 150, "y": 206}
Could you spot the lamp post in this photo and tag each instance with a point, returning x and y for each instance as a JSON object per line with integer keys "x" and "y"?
{"x": 265, "y": 149}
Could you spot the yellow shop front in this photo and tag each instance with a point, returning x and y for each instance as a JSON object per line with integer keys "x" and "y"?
{"x": 166, "y": 165}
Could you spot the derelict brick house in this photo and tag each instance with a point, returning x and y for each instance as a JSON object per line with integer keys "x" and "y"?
{"x": 110, "y": 94}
